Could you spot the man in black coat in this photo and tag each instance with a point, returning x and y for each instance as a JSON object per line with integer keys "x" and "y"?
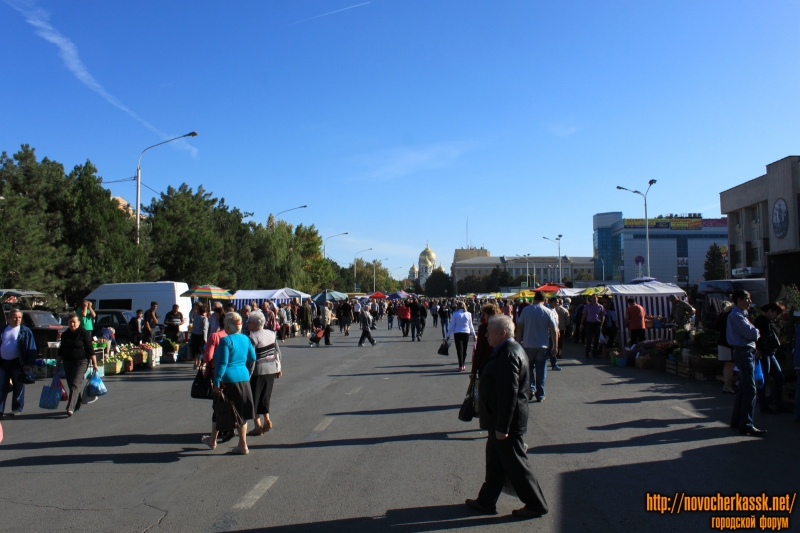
{"x": 503, "y": 396}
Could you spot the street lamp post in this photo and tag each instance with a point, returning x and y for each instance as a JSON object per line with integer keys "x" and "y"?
{"x": 292, "y": 209}
{"x": 324, "y": 249}
{"x": 646, "y": 220}
{"x": 355, "y": 279}
{"x": 557, "y": 240}
{"x": 374, "y": 270}
{"x": 139, "y": 180}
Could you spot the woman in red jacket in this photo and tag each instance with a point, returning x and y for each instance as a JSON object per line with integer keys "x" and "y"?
{"x": 404, "y": 318}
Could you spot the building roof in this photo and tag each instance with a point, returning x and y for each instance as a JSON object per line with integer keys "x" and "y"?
{"x": 427, "y": 255}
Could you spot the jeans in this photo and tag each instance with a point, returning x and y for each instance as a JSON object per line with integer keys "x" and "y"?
{"x": 435, "y": 319}
{"x": 390, "y": 320}
{"x": 770, "y": 366}
{"x": 445, "y": 328}
{"x": 537, "y": 362}
{"x": 592, "y": 330}
{"x": 11, "y": 381}
{"x": 415, "y": 328}
{"x": 744, "y": 404}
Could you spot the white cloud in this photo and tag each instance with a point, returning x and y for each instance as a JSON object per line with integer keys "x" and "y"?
{"x": 39, "y": 19}
{"x": 398, "y": 162}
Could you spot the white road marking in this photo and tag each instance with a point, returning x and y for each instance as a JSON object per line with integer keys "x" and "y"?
{"x": 322, "y": 425}
{"x": 354, "y": 390}
{"x": 256, "y": 492}
{"x": 683, "y": 411}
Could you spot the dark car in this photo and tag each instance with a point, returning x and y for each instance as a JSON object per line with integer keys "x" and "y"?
{"x": 118, "y": 320}
{"x": 45, "y": 327}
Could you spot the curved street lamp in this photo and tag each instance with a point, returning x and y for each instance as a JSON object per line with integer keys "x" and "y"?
{"x": 324, "y": 250}
{"x": 292, "y": 209}
{"x": 557, "y": 240}
{"x": 646, "y": 220}
{"x": 139, "y": 179}
{"x": 355, "y": 280}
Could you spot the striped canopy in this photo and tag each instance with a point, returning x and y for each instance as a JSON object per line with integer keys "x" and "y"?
{"x": 208, "y": 291}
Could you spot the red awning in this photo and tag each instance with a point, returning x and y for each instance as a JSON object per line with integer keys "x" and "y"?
{"x": 550, "y": 287}
{"x": 377, "y": 296}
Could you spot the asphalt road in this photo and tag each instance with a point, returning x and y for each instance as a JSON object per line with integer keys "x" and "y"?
{"x": 367, "y": 439}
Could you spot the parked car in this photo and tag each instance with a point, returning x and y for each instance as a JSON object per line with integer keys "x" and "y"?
{"x": 118, "y": 320}
{"x": 45, "y": 327}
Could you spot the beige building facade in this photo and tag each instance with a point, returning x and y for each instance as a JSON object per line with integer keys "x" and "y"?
{"x": 763, "y": 216}
{"x": 545, "y": 268}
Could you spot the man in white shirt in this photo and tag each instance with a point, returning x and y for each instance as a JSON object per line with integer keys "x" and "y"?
{"x": 17, "y": 355}
{"x": 536, "y": 327}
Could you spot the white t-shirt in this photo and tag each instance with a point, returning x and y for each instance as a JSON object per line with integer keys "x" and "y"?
{"x": 9, "y": 350}
{"x": 357, "y": 308}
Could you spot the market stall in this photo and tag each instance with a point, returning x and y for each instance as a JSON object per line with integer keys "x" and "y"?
{"x": 654, "y": 297}
{"x": 278, "y": 296}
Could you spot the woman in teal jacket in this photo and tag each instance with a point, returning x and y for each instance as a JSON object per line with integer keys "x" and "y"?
{"x": 233, "y": 363}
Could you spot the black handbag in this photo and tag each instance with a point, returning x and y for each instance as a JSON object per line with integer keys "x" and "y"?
{"x": 227, "y": 418}
{"x": 444, "y": 349}
{"x": 202, "y": 387}
{"x": 469, "y": 407}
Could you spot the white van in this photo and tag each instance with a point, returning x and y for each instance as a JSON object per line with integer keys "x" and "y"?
{"x": 133, "y": 296}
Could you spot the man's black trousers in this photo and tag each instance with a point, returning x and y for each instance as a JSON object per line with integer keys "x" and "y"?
{"x": 507, "y": 458}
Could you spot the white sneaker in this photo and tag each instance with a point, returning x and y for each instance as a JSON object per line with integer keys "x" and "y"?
{"x": 17, "y": 412}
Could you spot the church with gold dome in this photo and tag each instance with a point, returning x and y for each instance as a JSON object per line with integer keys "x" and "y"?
{"x": 427, "y": 264}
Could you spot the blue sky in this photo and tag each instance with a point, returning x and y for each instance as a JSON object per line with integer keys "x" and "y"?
{"x": 396, "y": 120}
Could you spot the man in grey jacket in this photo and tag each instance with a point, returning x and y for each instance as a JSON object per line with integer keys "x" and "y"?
{"x": 503, "y": 413}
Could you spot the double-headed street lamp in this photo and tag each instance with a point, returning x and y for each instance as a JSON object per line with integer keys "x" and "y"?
{"x": 374, "y": 270}
{"x": 139, "y": 180}
{"x": 355, "y": 279}
{"x": 324, "y": 250}
{"x": 557, "y": 240}
{"x": 646, "y": 220}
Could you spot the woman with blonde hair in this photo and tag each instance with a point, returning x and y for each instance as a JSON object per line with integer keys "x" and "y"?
{"x": 461, "y": 328}
{"x": 231, "y": 376}
{"x": 266, "y": 370}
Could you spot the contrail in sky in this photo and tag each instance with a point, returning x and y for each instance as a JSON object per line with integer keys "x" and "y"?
{"x": 39, "y": 19}
{"x": 331, "y": 12}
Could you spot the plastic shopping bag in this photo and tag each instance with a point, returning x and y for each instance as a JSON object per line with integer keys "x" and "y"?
{"x": 96, "y": 385}
{"x": 51, "y": 395}
{"x": 758, "y": 374}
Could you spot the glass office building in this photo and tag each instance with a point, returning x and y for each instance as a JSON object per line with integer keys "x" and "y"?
{"x": 678, "y": 246}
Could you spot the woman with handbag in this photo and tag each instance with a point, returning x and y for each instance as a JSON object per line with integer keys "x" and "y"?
{"x": 199, "y": 334}
{"x": 461, "y": 328}
{"x": 76, "y": 351}
{"x": 266, "y": 370}
{"x": 232, "y": 380}
{"x": 768, "y": 344}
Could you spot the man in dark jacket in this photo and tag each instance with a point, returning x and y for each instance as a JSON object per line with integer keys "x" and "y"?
{"x": 414, "y": 307}
{"x": 503, "y": 413}
{"x": 17, "y": 355}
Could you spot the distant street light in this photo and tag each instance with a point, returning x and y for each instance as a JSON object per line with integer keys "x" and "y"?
{"x": 646, "y": 220}
{"x": 324, "y": 250}
{"x": 557, "y": 240}
{"x": 139, "y": 179}
{"x": 374, "y": 265}
{"x": 355, "y": 279}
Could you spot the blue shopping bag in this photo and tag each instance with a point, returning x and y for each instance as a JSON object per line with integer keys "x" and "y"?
{"x": 96, "y": 387}
{"x": 51, "y": 395}
{"x": 758, "y": 374}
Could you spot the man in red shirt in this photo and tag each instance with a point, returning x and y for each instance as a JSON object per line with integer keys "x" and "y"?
{"x": 635, "y": 316}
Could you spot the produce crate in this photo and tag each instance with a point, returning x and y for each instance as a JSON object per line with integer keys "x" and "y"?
{"x": 704, "y": 365}
{"x": 644, "y": 361}
{"x": 684, "y": 370}
{"x": 672, "y": 366}
{"x": 112, "y": 367}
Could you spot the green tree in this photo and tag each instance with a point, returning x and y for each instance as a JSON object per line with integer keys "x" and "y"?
{"x": 439, "y": 284}
{"x": 498, "y": 278}
{"x": 714, "y": 265}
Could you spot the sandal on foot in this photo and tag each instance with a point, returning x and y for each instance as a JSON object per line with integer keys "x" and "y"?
{"x": 206, "y": 439}
{"x": 256, "y": 432}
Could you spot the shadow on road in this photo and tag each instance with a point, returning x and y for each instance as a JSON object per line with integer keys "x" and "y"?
{"x": 367, "y": 441}
{"x": 400, "y": 410}
{"x": 416, "y": 519}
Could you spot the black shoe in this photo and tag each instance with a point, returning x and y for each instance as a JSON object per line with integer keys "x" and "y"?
{"x": 753, "y": 432}
{"x": 478, "y": 506}
{"x": 527, "y": 513}
{"x": 226, "y": 436}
